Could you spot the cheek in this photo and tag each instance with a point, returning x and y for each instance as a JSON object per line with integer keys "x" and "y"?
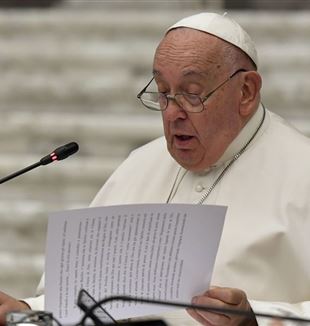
{"x": 221, "y": 127}
{"x": 166, "y": 129}
{"x": 211, "y": 130}
{"x": 164, "y": 121}
{"x": 203, "y": 126}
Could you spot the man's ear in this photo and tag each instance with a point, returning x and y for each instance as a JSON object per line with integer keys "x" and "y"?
{"x": 250, "y": 96}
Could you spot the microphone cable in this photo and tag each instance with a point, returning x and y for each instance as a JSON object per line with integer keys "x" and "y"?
{"x": 248, "y": 314}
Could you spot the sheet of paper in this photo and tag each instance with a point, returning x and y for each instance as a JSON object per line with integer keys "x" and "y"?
{"x": 155, "y": 251}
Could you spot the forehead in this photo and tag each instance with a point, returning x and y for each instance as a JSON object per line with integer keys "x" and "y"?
{"x": 189, "y": 50}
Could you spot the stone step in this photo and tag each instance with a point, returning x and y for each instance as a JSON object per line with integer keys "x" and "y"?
{"x": 55, "y": 173}
{"x": 281, "y": 91}
{"x": 60, "y": 70}
{"x": 72, "y": 183}
{"x": 202, "y": 5}
{"x": 20, "y": 273}
{"x": 97, "y": 134}
{"x": 31, "y": 237}
{"x": 58, "y": 59}
{"x": 62, "y": 36}
{"x": 116, "y": 134}
{"x": 19, "y": 60}
{"x": 111, "y": 22}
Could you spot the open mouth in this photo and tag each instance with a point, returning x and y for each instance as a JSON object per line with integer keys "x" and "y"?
{"x": 183, "y": 137}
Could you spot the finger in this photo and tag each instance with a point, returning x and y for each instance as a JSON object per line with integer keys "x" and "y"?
{"x": 3, "y": 297}
{"x": 207, "y": 301}
{"x": 194, "y": 314}
{"x": 8, "y": 304}
{"x": 209, "y": 318}
{"x": 3, "y": 312}
{"x": 228, "y": 295}
{"x": 213, "y": 317}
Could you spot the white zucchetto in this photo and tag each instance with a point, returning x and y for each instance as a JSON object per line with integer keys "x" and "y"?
{"x": 223, "y": 27}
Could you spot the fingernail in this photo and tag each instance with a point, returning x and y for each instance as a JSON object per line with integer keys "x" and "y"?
{"x": 194, "y": 300}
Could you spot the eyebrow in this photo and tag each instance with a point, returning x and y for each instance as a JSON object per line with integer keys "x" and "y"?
{"x": 195, "y": 73}
{"x": 186, "y": 73}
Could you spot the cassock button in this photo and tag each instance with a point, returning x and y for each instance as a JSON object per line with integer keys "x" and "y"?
{"x": 199, "y": 188}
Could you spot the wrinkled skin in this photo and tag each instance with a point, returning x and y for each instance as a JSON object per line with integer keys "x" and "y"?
{"x": 190, "y": 61}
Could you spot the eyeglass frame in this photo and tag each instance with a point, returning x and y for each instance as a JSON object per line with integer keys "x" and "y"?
{"x": 172, "y": 97}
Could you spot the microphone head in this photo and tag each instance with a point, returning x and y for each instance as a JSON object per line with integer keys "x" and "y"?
{"x": 60, "y": 153}
{"x": 64, "y": 151}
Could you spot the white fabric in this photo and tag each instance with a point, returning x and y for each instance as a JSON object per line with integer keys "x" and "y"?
{"x": 223, "y": 27}
{"x": 264, "y": 247}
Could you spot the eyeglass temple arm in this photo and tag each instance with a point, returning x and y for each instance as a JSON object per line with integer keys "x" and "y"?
{"x": 224, "y": 82}
{"x": 144, "y": 89}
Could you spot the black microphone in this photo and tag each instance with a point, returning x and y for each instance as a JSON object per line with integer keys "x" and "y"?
{"x": 250, "y": 315}
{"x": 58, "y": 154}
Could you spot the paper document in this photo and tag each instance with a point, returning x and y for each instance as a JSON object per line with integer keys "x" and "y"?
{"x": 156, "y": 251}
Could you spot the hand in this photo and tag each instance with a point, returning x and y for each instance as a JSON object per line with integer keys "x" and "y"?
{"x": 8, "y": 304}
{"x": 227, "y": 298}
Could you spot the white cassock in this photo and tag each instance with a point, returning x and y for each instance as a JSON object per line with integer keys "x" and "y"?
{"x": 265, "y": 244}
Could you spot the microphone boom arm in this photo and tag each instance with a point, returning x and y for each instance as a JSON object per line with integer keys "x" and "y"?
{"x": 22, "y": 171}
{"x": 58, "y": 154}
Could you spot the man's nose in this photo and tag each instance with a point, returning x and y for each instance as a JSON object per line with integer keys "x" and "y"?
{"x": 174, "y": 111}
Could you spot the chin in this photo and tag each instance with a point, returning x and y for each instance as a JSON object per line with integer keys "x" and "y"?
{"x": 187, "y": 164}
{"x": 187, "y": 159}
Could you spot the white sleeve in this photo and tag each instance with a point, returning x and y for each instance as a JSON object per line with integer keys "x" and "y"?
{"x": 300, "y": 310}
{"x": 37, "y": 302}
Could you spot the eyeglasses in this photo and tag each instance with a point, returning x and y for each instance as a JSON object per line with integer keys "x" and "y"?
{"x": 99, "y": 316}
{"x": 191, "y": 103}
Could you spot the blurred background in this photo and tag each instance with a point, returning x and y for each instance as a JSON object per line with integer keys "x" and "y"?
{"x": 70, "y": 71}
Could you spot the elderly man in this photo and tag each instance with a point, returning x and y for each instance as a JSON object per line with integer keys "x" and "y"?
{"x": 223, "y": 147}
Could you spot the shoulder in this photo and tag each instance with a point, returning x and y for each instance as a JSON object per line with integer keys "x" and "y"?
{"x": 150, "y": 157}
{"x": 286, "y": 137}
{"x": 285, "y": 154}
{"x": 286, "y": 127}
{"x": 145, "y": 158}
{"x": 141, "y": 177}
{"x": 150, "y": 150}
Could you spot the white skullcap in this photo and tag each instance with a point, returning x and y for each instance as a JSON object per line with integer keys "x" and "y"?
{"x": 223, "y": 27}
